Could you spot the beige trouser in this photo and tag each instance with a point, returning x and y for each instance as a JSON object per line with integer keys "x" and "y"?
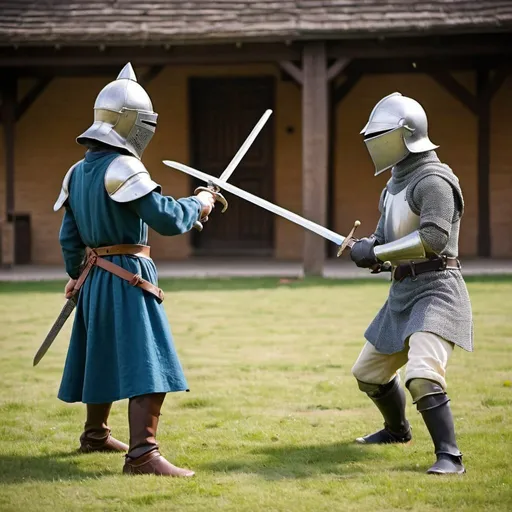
{"x": 426, "y": 355}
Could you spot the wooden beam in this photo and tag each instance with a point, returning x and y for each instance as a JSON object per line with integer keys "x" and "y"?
{"x": 336, "y": 68}
{"x": 332, "y": 72}
{"x": 109, "y": 71}
{"x": 314, "y": 152}
{"x": 9, "y": 99}
{"x": 344, "y": 88}
{"x": 484, "y": 157}
{"x": 82, "y": 56}
{"x": 498, "y": 80}
{"x": 290, "y": 68}
{"x": 31, "y": 97}
{"x": 425, "y": 65}
{"x": 157, "y": 54}
{"x": 150, "y": 75}
{"x": 9, "y": 87}
{"x": 458, "y": 91}
{"x": 434, "y": 46}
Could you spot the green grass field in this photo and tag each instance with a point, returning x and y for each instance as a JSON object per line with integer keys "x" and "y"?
{"x": 272, "y": 413}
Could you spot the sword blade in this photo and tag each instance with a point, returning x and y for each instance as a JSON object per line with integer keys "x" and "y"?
{"x": 258, "y": 201}
{"x": 57, "y": 326}
{"x": 228, "y": 171}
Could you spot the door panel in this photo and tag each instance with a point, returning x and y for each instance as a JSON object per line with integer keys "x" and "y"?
{"x": 223, "y": 112}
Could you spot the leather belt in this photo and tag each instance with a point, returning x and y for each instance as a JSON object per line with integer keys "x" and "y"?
{"x": 142, "y": 251}
{"x": 94, "y": 258}
{"x": 413, "y": 269}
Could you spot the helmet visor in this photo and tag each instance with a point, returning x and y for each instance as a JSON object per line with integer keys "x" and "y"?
{"x": 387, "y": 149}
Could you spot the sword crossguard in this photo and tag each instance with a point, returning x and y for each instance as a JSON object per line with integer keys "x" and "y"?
{"x": 349, "y": 240}
{"x": 215, "y": 191}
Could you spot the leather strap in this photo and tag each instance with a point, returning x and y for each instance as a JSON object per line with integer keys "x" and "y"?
{"x": 413, "y": 269}
{"x": 83, "y": 275}
{"x": 133, "y": 279}
{"x": 94, "y": 259}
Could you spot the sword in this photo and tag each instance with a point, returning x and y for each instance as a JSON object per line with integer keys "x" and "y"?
{"x": 57, "y": 326}
{"x": 215, "y": 190}
{"x": 341, "y": 241}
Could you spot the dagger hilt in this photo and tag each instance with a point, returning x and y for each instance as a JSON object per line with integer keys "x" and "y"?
{"x": 215, "y": 191}
{"x": 349, "y": 240}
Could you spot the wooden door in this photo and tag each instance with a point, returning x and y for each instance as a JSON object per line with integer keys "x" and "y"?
{"x": 223, "y": 113}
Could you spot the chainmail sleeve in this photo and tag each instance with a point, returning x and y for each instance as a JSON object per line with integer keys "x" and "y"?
{"x": 434, "y": 198}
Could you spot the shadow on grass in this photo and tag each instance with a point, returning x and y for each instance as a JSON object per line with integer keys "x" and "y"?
{"x": 281, "y": 462}
{"x": 415, "y": 467}
{"x": 235, "y": 283}
{"x": 45, "y": 468}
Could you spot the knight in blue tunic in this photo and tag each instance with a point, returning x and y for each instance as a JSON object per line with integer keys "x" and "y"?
{"x": 121, "y": 345}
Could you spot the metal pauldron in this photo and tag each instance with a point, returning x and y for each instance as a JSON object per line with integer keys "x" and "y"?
{"x": 126, "y": 179}
{"x": 64, "y": 191}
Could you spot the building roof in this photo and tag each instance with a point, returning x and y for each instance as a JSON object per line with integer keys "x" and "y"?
{"x": 194, "y": 21}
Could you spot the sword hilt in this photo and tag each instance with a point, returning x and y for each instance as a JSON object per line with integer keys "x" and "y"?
{"x": 215, "y": 191}
{"x": 382, "y": 267}
{"x": 349, "y": 240}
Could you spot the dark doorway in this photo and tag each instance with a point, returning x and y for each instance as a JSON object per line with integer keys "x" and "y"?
{"x": 223, "y": 112}
{"x": 22, "y": 238}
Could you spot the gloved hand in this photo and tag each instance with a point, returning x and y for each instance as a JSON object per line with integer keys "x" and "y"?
{"x": 362, "y": 253}
{"x": 207, "y": 199}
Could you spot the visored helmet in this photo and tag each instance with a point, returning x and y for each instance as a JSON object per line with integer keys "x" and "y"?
{"x": 397, "y": 127}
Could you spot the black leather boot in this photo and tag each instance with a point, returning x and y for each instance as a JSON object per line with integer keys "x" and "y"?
{"x": 390, "y": 400}
{"x": 438, "y": 418}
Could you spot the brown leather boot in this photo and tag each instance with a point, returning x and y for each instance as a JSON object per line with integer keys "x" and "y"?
{"x": 96, "y": 435}
{"x": 144, "y": 457}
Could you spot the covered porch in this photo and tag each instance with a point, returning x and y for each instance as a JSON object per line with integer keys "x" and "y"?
{"x": 323, "y": 70}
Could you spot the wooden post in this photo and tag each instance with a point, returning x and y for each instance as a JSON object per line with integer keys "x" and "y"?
{"x": 314, "y": 152}
{"x": 484, "y": 161}
{"x": 331, "y": 167}
{"x": 9, "y": 103}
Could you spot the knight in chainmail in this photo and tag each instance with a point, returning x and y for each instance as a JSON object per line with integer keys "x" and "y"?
{"x": 428, "y": 310}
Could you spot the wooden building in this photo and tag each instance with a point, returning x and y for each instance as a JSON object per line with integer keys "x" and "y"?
{"x": 213, "y": 67}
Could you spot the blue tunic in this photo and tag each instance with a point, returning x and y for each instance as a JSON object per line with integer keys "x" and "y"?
{"x": 121, "y": 344}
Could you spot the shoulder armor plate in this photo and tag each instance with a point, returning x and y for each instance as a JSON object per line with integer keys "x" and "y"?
{"x": 126, "y": 179}
{"x": 64, "y": 191}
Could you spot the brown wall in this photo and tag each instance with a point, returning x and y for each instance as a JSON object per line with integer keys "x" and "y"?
{"x": 45, "y": 149}
{"x": 501, "y": 172}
